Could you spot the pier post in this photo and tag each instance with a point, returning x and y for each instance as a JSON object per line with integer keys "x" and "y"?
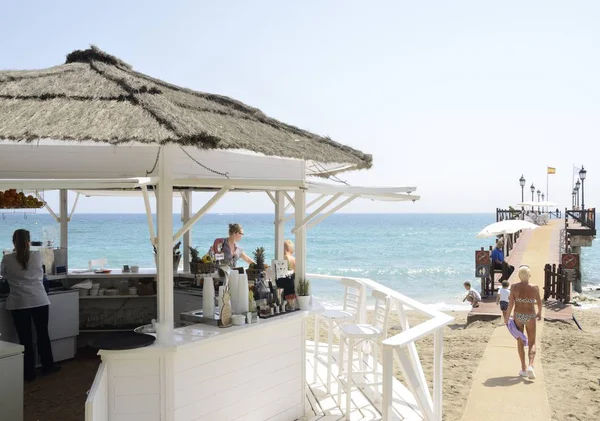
{"x": 577, "y": 284}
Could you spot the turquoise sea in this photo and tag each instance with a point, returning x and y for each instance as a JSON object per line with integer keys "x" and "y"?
{"x": 424, "y": 256}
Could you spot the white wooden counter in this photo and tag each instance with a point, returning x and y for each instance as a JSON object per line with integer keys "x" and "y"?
{"x": 246, "y": 373}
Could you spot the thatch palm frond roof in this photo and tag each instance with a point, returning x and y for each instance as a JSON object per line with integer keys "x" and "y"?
{"x": 96, "y": 96}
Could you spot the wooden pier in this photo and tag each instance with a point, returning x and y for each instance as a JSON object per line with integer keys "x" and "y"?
{"x": 526, "y": 250}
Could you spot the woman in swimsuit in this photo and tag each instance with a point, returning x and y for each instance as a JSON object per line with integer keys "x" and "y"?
{"x": 523, "y": 297}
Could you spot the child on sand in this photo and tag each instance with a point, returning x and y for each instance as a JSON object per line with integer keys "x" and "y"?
{"x": 472, "y": 296}
{"x": 502, "y": 298}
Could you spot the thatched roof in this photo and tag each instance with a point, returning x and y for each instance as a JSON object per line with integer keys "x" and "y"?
{"x": 95, "y": 96}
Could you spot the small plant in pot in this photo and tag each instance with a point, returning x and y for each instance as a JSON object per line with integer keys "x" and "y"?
{"x": 176, "y": 256}
{"x": 199, "y": 264}
{"x": 303, "y": 294}
{"x": 256, "y": 270}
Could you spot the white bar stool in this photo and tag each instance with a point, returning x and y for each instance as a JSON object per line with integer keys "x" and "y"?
{"x": 356, "y": 334}
{"x": 354, "y": 292}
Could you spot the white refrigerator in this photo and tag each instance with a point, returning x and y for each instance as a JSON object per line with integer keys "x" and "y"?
{"x": 11, "y": 381}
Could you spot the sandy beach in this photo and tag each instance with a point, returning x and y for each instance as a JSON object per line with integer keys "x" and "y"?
{"x": 570, "y": 357}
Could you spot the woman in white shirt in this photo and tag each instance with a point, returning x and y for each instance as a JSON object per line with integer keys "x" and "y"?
{"x": 28, "y": 301}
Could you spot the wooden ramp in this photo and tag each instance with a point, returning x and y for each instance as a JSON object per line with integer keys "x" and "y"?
{"x": 365, "y": 406}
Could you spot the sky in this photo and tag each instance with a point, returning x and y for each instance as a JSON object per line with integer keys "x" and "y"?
{"x": 458, "y": 98}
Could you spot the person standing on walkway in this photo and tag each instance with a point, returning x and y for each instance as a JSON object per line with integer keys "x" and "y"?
{"x": 523, "y": 298}
{"x": 28, "y": 301}
{"x": 498, "y": 260}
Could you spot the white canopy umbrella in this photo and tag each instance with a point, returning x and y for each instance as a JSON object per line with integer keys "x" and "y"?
{"x": 505, "y": 227}
{"x": 538, "y": 204}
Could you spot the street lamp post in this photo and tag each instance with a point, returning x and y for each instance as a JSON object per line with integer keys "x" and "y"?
{"x": 538, "y": 193}
{"x": 532, "y": 191}
{"x": 577, "y": 186}
{"x": 522, "y": 183}
{"x": 573, "y": 198}
{"x": 582, "y": 175}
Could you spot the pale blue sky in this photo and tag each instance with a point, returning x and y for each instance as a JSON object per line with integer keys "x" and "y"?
{"x": 459, "y": 98}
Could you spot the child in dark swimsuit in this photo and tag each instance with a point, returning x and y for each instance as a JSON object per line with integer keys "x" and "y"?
{"x": 502, "y": 298}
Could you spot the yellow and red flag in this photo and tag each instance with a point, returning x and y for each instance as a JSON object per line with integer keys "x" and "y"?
{"x": 551, "y": 170}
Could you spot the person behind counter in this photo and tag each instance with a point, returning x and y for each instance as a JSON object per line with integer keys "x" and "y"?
{"x": 229, "y": 247}
{"x": 28, "y": 300}
{"x": 288, "y": 254}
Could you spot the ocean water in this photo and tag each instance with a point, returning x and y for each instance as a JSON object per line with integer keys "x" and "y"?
{"x": 424, "y": 256}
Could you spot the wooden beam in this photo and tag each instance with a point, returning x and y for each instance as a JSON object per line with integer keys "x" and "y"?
{"x": 213, "y": 201}
{"x": 149, "y": 214}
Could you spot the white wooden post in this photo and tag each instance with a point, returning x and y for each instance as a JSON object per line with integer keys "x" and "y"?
{"x": 279, "y": 224}
{"x": 387, "y": 366}
{"x": 187, "y": 237}
{"x": 300, "y": 240}
{"x": 438, "y": 360}
{"x": 164, "y": 217}
{"x": 64, "y": 223}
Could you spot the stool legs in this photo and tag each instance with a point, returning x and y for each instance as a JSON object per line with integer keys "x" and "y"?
{"x": 349, "y": 378}
{"x": 317, "y": 335}
{"x": 329, "y": 354}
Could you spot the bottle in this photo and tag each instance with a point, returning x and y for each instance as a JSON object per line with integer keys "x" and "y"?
{"x": 208, "y": 298}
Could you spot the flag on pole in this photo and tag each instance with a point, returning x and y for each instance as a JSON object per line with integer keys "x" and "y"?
{"x": 551, "y": 170}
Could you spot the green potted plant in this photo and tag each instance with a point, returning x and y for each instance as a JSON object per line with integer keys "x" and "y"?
{"x": 255, "y": 269}
{"x": 200, "y": 264}
{"x": 176, "y": 256}
{"x": 303, "y": 294}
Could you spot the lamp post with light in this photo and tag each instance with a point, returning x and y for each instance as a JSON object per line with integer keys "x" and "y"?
{"x": 522, "y": 183}
{"x": 573, "y": 198}
{"x": 532, "y": 191}
{"x": 582, "y": 175}
{"x": 577, "y": 186}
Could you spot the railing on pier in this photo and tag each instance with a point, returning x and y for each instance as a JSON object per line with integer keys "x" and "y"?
{"x": 556, "y": 283}
{"x": 507, "y": 214}
{"x": 402, "y": 347}
{"x": 586, "y": 217}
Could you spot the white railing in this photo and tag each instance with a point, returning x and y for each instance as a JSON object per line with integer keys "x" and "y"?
{"x": 403, "y": 347}
{"x": 96, "y": 404}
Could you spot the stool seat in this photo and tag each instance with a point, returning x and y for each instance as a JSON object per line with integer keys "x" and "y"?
{"x": 361, "y": 331}
{"x": 336, "y": 314}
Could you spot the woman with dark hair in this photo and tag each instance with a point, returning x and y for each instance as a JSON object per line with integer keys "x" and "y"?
{"x": 28, "y": 301}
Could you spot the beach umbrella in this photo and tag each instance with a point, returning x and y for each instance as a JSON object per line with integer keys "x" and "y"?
{"x": 505, "y": 227}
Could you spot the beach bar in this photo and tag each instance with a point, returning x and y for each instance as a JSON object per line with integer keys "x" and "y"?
{"x": 95, "y": 126}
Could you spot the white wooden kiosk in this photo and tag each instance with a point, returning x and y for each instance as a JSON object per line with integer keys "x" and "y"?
{"x": 101, "y": 126}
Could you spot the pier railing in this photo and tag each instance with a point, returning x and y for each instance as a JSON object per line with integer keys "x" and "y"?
{"x": 587, "y": 217}
{"x": 507, "y": 214}
{"x": 557, "y": 284}
{"x": 402, "y": 347}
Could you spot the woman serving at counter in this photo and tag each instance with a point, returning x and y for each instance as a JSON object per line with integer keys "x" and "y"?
{"x": 229, "y": 247}
{"x": 28, "y": 300}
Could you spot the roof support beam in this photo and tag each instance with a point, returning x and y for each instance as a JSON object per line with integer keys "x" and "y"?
{"x": 271, "y": 197}
{"x": 289, "y": 198}
{"x": 149, "y": 215}
{"x": 213, "y": 201}
{"x": 331, "y": 211}
{"x": 311, "y": 203}
{"x": 48, "y": 208}
{"x": 300, "y": 224}
{"x": 73, "y": 208}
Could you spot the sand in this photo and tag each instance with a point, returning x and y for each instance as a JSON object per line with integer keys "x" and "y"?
{"x": 571, "y": 360}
